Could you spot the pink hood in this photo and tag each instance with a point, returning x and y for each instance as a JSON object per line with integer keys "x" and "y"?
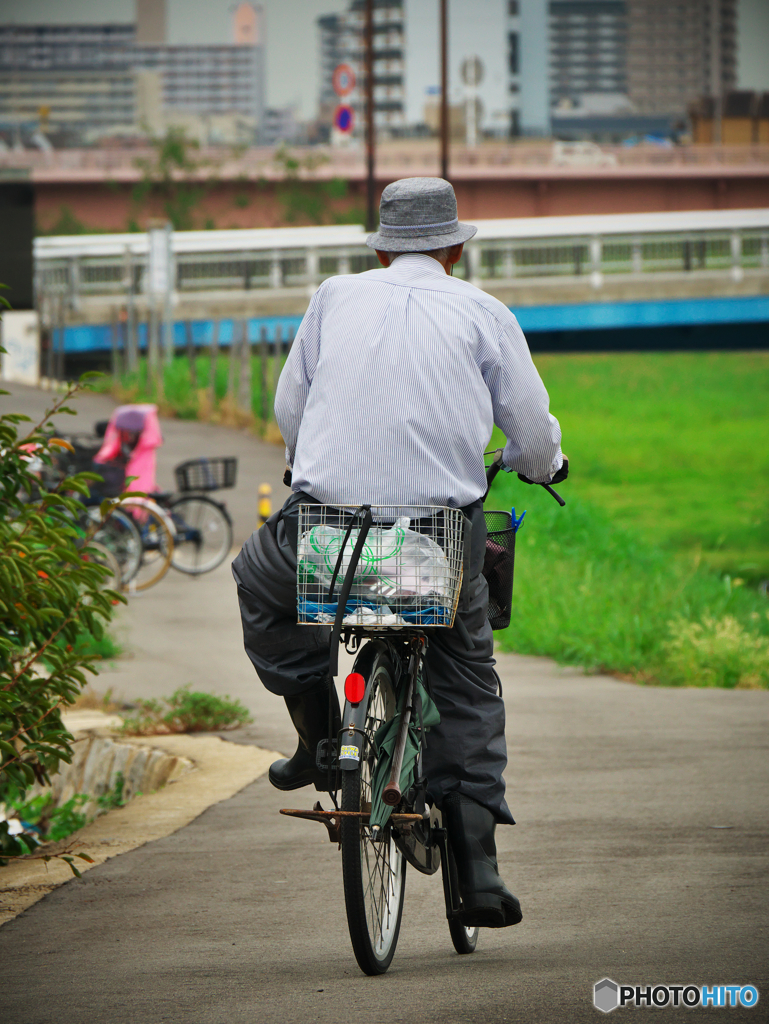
{"x": 142, "y": 461}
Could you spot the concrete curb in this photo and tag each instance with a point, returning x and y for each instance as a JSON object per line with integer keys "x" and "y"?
{"x": 220, "y": 770}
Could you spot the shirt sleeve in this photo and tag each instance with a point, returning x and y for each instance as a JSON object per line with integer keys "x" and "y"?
{"x": 297, "y": 374}
{"x": 522, "y": 408}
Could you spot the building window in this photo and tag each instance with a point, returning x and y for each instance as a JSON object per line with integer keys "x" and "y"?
{"x": 513, "y": 52}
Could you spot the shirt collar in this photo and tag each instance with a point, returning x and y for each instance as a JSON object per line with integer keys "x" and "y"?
{"x": 412, "y": 263}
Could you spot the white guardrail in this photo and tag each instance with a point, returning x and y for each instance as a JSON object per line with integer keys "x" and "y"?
{"x": 720, "y": 242}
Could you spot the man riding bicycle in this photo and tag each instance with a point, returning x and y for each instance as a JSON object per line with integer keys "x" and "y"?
{"x": 389, "y": 395}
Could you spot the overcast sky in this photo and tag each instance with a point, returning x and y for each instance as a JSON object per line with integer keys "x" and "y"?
{"x": 292, "y": 43}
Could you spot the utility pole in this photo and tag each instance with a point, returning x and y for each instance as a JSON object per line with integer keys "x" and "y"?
{"x": 444, "y": 90}
{"x": 370, "y": 193}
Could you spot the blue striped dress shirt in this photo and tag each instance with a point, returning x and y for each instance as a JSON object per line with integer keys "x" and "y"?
{"x": 392, "y": 386}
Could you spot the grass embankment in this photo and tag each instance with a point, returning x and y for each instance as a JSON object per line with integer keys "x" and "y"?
{"x": 192, "y": 397}
{"x": 652, "y": 568}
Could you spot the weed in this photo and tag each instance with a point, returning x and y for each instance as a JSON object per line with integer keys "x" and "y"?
{"x": 717, "y": 652}
{"x": 114, "y": 798}
{"x": 186, "y": 711}
{"x": 90, "y": 700}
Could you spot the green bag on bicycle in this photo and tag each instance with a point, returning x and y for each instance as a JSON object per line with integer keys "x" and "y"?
{"x": 384, "y": 743}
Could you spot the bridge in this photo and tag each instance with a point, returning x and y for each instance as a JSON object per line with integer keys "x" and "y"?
{"x": 523, "y": 179}
{"x": 573, "y": 282}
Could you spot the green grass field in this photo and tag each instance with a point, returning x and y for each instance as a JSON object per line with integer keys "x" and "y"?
{"x": 654, "y": 567}
{"x": 675, "y": 445}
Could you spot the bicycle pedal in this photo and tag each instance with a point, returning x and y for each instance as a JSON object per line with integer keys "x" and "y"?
{"x": 322, "y": 756}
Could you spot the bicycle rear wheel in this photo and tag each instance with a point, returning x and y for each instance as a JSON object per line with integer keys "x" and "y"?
{"x": 374, "y": 873}
{"x": 203, "y": 534}
{"x": 464, "y": 939}
{"x": 156, "y": 531}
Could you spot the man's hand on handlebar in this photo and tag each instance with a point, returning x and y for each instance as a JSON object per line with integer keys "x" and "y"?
{"x": 559, "y": 476}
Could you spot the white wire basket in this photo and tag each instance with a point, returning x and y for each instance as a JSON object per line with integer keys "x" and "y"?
{"x": 409, "y": 573}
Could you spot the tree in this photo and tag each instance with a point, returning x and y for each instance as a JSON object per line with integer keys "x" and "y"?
{"x": 51, "y": 593}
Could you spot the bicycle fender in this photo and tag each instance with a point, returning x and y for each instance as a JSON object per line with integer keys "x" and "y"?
{"x": 354, "y": 718}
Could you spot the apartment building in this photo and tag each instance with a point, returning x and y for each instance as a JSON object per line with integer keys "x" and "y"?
{"x": 82, "y": 82}
{"x": 343, "y": 41}
{"x": 678, "y": 51}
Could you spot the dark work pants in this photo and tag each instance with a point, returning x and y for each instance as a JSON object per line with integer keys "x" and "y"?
{"x": 466, "y": 752}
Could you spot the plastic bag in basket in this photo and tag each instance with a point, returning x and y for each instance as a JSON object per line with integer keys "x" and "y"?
{"x": 395, "y": 562}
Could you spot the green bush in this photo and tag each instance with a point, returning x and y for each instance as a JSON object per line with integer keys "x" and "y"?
{"x": 42, "y": 820}
{"x": 50, "y": 597}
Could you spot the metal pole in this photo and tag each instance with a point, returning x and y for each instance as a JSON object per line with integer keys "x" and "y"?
{"x": 114, "y": 369}
{"x": 131, "y": 355}
{"x": 190, "y": 344}
{"x": 50, "y": 306}
{"x": 214, "y": 358}
{"x": 370, "y": 196}
{"x": 264, "y": 405}
{"x": 230, "y": 396}
{"x": 245, "y": 398}
{"x": 62, "y": 331}
{"x": 444, "y": 90}
{"x": 277, "y": 361}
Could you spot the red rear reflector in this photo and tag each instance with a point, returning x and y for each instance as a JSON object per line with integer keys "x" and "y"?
{"x": 354, "y": 687}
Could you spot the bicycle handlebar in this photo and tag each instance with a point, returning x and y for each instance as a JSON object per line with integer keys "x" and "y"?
{"x": 491, "y": 472}
{"x": 496, "y": 466}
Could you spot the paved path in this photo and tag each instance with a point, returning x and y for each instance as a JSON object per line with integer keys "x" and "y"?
{"x": 640, "y": 854}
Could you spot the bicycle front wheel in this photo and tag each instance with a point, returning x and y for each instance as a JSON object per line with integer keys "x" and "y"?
{"x": 374, "y": 873}
{"x": 203, "y": 534}
{"x": 121, "y": 535}
{"x": 101, "y": 555}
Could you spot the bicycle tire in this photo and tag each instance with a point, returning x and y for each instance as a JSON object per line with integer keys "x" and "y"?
{"x": 101, "y": 555}
{"x": 157, "y": 536}
{"x": 203, "y": 534}
{"x": 464, "y": 939}
{"x": 373, "y": 873}
{"x": 121, "y": 535}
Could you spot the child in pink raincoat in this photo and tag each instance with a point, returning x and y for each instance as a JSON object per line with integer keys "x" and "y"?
{"x": 132, "y": 435}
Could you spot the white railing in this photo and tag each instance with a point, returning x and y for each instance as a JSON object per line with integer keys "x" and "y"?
{"x": 287, "y": 260}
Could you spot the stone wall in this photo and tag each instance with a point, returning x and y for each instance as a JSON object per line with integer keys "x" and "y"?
{"x": 97, "y": 762}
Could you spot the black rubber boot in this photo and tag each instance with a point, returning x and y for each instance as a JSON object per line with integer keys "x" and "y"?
{"x": 309, "y": 713}
{"x": 486, "y": 900}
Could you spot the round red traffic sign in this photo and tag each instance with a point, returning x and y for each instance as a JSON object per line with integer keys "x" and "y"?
{"x": 343, "y": 80}
{"x": 344, "y": 117}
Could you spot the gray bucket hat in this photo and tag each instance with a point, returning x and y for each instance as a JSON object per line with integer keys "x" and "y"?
{"x": 418, "y": 214}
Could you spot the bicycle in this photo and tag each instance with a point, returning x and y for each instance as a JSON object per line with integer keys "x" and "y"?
{"x": 203, "y": 527}
{"x": 186, "y": 530}
{"x": 384, "y": 821}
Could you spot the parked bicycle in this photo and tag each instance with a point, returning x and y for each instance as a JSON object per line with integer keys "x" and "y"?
{"x": 203, "y": 527}
{"x": 187, "y": 529}
{"x": 384, "y": 821}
